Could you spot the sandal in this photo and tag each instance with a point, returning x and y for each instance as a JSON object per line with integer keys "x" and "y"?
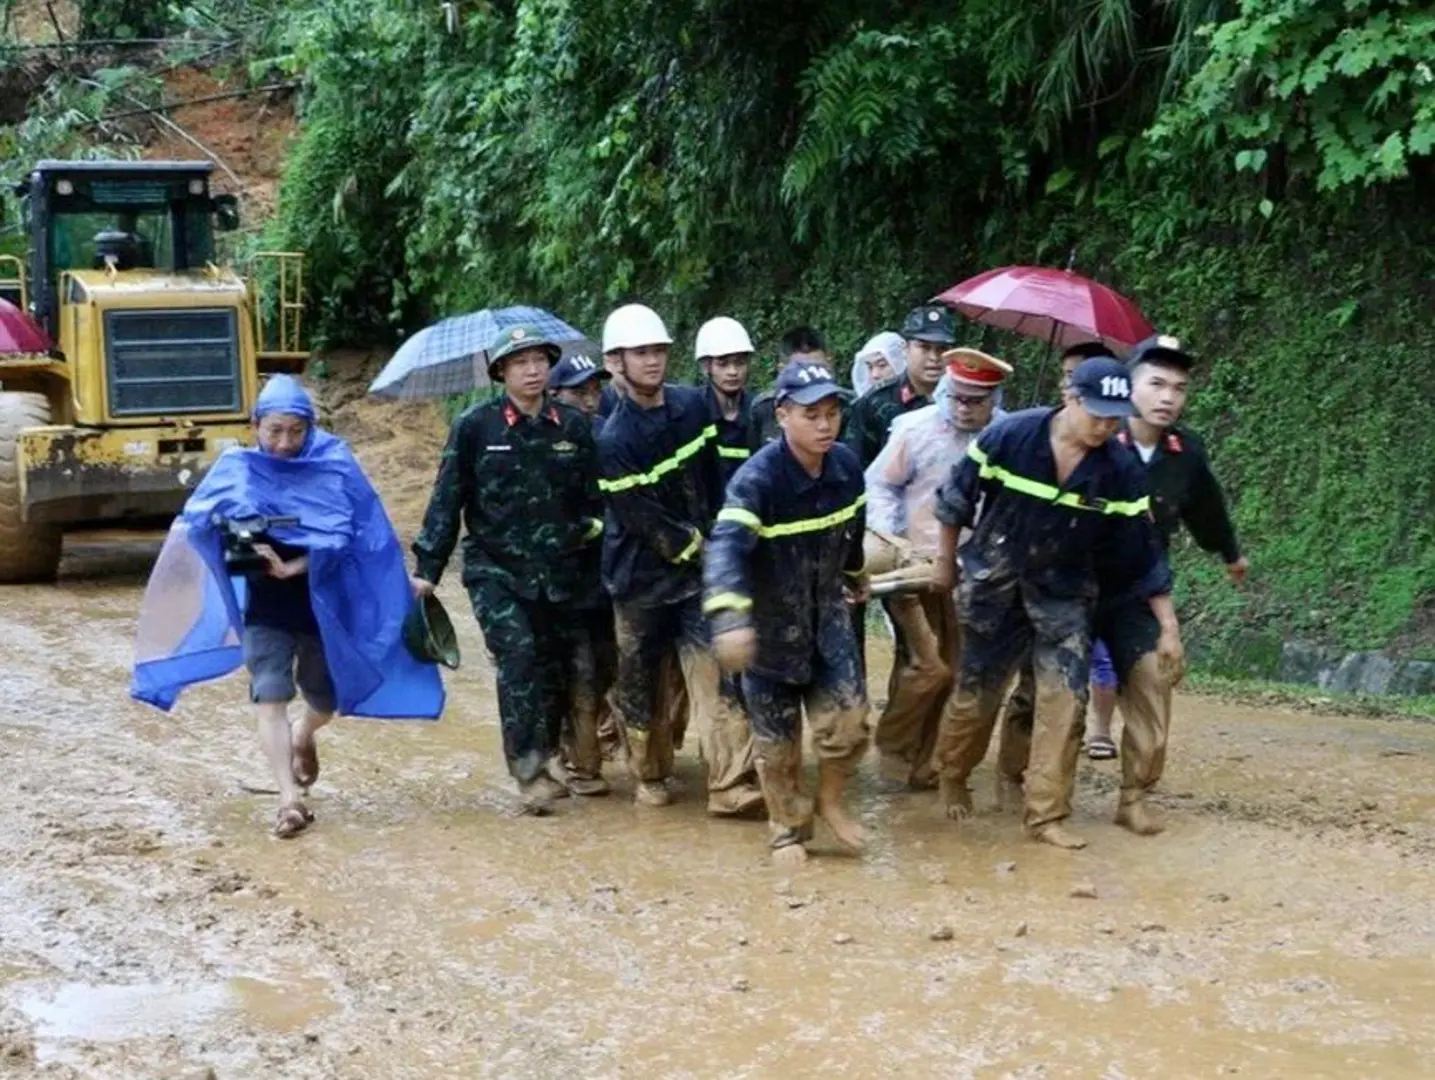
{"x": 291, "y": 820}
{"x": 1101, "y": 748}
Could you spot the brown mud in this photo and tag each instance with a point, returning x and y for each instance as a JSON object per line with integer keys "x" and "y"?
{"x": 151, "y": 928}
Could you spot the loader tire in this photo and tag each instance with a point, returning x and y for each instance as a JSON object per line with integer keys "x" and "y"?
{"x": 28, "y": 552}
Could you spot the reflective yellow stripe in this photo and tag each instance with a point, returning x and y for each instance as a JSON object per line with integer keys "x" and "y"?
{"x": 662, "y": 468}
{"x": 862, "y": 572}
{"x": 694, "y": 546}
{"x": 741, "y": 516}
{"x": 1049, "y": 493}
{"x": 741, "y": 453}
{"x": 726, "y": 601}
{"x": 792, "y": 528}
{"x": 807, "y": 525}
{"x": 594, "y": 530}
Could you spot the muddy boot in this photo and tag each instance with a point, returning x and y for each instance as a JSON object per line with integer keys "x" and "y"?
{"x": 831, "y": 782}
{"x": 1136, "y": 816}
{"x": 1057, "y": 835}
{"x": 956, "y": 798}
{"x": 536, "y": 796}
{"x": 736, "y": 802}
{"x": 588, "y": 785}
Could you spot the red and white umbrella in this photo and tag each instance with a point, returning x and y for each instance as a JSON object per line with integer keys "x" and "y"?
{"x": 19, "y": 333}
{"x": 1055, "y": 306}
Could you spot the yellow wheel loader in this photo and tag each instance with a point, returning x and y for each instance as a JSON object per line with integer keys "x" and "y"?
{"x": 146, "y": 356}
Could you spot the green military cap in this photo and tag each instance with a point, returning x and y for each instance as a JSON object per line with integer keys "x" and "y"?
{"x": 429, "y": 635}
{"x": 516, "y": 339}
{"x": 931, "y": 322}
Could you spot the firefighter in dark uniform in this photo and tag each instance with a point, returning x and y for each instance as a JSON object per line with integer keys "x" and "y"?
{"x": 724, "y": 351}
{"x": 1183, "y": 490}
{"x": 520, "y": 473}
{"x": 930, "y": 331}
{"x": 785, "y": 556}
{"x": 662, "y": 483}
{"x": 578, "y": 381}
{"x": 1063, "y": 508}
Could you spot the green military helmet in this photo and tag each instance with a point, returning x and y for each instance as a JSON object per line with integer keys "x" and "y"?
{"x": 516, "y": 339}
{"x": 429, "y": 634}
{"x": 931, "y": 322}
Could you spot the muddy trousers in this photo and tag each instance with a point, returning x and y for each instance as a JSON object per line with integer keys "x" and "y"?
{"x": 645, "y": 635}
{"x": 835, "y": 702}
{"x": 593, "y": 662}
{"x": 1001, "y": 624}
{"x": 1143, "y": 695}
{"x": 922, "y": 674}
{"x": 530, "y": 646}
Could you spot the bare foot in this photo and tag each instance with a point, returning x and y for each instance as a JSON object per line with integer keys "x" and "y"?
{"x": 956, "y": 799}
{"x": 651, "y": 793}
{"x": 1058, "y": 835}
{"x": 292, "y": 819}
{"x": 1010, "y": 794}
{"x": 1139, "y": 819}
{"x": 849, "y": 834}
{"x": 791, "y": 855}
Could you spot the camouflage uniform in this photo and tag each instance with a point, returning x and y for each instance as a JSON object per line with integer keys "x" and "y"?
{"x": 526, "y": 490}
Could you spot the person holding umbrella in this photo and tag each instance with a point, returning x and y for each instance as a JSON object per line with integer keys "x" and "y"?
{"x": 1064, "y": 512}
{"x": 520, "y": 476}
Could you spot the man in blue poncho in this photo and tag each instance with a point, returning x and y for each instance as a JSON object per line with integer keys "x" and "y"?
{"x": 283, "y": 560}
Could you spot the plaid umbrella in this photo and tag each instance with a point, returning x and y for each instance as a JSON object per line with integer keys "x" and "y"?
{"x": 451, "y": 357}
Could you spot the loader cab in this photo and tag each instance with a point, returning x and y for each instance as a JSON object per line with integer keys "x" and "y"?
{"x": 93, "y": 215}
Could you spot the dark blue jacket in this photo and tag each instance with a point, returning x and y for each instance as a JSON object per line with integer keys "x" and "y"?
{"x": 662, "y": 487}
{"x": 1060, "y": 540}
{"x": 782, "y": 548}
{"x": 735, "y": 438}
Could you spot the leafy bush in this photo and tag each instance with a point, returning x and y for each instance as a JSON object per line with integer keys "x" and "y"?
{"x": 1241, "y": 168}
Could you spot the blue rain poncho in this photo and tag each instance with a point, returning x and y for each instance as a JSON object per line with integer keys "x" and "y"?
{"x": 192, "y": 618}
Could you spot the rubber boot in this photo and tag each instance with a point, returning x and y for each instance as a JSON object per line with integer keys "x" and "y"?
{"x": 650, "y": 789}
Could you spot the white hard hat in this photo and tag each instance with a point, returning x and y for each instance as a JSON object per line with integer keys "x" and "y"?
{"x": 632, "y": 326}
{"x": 722, "y": 336}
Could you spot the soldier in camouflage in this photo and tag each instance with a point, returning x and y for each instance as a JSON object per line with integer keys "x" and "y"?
{"x": 521, "y": 474}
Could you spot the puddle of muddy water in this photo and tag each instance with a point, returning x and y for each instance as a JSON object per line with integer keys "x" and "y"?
{"x": 83, "y": 1012}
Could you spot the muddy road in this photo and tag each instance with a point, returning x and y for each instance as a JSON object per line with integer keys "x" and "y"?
{"x": 151, "y": 928}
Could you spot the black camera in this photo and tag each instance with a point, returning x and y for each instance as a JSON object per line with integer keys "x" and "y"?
{"x": 239, "y": 536}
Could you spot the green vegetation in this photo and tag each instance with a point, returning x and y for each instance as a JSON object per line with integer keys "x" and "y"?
{"x": 1249, "y": 171}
